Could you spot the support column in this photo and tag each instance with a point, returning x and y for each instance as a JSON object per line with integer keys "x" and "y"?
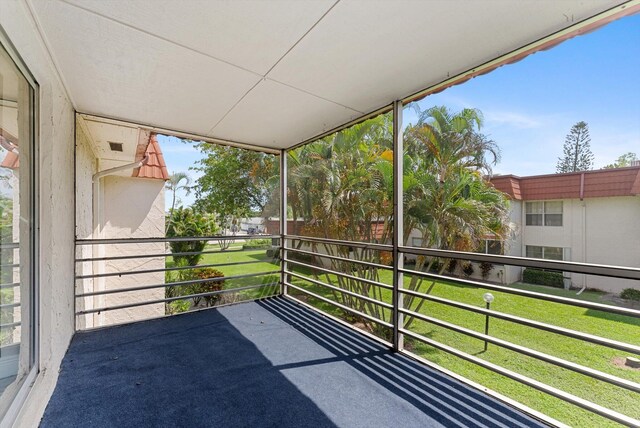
{"x": 398, "y": 232}
{"x": 283, "y": 220}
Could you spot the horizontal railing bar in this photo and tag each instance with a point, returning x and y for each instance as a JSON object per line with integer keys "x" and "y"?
{"x": 171, "y": 239}
{"x": 532, "y": 294}
{"x": 340, "y": 290}
{"x": 9, "y": 305}
{"x": 530, "y": 323}
{"x": 341, "y": 306}
{"x": 171, "y": 299}
{"x": 135, "y": 272}
{"x": 587, "y": 371}
{"x": 366, "y": 245}
{"x": 555, "y": 392}
{"x": 12, "y": 285}
{"x": 333, "y": 272}
{"x": 174, "y": 284}
{"x": 10, "y": 266}
{"x": 9, "y": 246}
{"x": 156, "y": 255}
{"x": 10, "y": 325}
{"x": 566, "y": 266}
{"x": 342, "y": 259}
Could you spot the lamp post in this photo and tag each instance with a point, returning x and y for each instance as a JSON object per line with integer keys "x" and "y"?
{"x": 488, "y": 298}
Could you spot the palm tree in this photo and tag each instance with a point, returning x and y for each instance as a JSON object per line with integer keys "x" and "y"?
{"x": 447, "y": 196}
{"x": 177, "y": 181}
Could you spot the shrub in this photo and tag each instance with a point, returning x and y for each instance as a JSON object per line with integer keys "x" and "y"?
{"x": 257, "y": 244}
{"x": 452, "y": 265}
{"x": 467, "y": 269}
{"x": 630, "y": 294}
{"x": 543, "y": 277}
{"x": 273, "y": 253}
{"x": 485, "y": 269}
{"x": 206, "y": 286}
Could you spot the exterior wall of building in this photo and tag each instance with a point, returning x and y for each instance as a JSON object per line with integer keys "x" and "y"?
{"x": 131, "y": 208}
{"x": 596, "y": 230}
{"x": 86, "y": 166}
{"x": 56, "y": 135}
{"x": 613, "y": 238}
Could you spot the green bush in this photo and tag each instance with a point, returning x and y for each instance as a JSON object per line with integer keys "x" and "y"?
{"x": 485, "y": 269}
{"x": 273, "y": 253}
{"x": 206, "y": 286}
{"x": 467, "y": 269}
{"x": 257, "y": 244}
{"x": 543, "y": 277}
{"x": 630, "y": 294}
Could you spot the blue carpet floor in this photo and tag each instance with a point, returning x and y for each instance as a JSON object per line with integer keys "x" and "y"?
{"x": 271, "y": 363}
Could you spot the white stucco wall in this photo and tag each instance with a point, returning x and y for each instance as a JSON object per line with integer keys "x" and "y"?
{"x": 131, "y": 208}
{"x": 56, "y": 129}
{"x": 86, "y": 166}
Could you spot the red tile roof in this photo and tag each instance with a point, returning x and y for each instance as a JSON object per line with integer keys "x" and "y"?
{"x": 11, "y": 161}
{"x": 574, "y": 185}
{"x": 155, "y": 166}
{"x": 9, "y": 142}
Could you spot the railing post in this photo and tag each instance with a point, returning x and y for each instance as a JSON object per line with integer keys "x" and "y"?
{"x": 398, "y": 232}
{"x": 283, "y": 220}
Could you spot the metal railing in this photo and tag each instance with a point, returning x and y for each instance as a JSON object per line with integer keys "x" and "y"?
{"x": 138, "y": 286}
{"x": 308, "y": 281}
{"x": 345, "y": 276}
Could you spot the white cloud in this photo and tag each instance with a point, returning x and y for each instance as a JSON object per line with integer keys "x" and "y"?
{"x": 517, "y": 120}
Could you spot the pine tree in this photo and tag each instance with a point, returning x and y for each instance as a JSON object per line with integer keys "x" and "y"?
{"x": 577, "y": 150}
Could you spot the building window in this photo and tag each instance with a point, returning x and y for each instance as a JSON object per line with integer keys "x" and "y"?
{"x": 549, "y": 253}
{"x": 548, "y": 213}
{"x": 491, "y": 246}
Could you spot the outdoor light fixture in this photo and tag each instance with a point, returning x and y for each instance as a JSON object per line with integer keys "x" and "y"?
{"x": 488, "y": 298}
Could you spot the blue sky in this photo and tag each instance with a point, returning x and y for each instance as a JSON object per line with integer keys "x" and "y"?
{"x": 530, "y": 106}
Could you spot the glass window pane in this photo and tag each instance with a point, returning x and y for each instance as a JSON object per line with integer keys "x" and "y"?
{"x": 494, "y": 247}
{"x": 16, "y": 293}
{"x": 553, "y": 253}
{"x": 553, "y": 220}
{"x": 553, "y": 207}
{"x": 534, "y": 252}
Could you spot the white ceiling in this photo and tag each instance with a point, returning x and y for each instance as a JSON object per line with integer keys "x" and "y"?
{"x": 274, "y": 73}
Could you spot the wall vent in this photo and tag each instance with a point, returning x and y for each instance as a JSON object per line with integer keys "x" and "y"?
{"x": 115, "y": 147}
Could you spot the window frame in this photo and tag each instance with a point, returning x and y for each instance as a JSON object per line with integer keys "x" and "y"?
{"x": 543, "y": 214}
{"x": 33, "y": 215}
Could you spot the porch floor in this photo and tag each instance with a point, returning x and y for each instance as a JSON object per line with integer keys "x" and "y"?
{"x": 270, "y": 363}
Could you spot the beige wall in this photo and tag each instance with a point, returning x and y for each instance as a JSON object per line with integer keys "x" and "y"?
{"x": 56, "y": 129}
{"x": 131, "y": 208}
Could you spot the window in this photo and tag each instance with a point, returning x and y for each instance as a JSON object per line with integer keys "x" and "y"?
{"x": 548, "y": 213}
{"x": 490, "y": 246}
{"x": 534, "y": 213}
{"x": 549, "y": 253}
{"x": 17, "y": 228}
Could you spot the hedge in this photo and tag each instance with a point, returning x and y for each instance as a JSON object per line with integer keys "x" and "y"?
{"x": 543, "y": 277}
{"x": 630, "y": 294}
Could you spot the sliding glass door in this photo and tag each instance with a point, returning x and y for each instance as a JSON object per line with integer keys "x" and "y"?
{"x": 17, "y": 227}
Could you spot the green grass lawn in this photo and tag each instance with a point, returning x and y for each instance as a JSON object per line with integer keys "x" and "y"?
{"x": 617, "y": 327}
{"x": 259, "y": 263}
